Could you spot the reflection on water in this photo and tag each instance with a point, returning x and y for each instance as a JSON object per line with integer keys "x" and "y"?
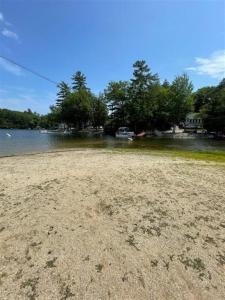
{"x": 24, "y": 141}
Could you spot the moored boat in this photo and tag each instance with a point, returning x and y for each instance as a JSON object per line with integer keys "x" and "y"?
{"x": 124, "y": 132}
{"x": 44, "y": 131}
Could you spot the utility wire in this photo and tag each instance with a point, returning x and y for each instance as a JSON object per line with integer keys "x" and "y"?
{"x": 29, "y": 70}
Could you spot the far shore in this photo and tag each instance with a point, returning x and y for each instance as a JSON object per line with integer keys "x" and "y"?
{"x": 112, "y": 224}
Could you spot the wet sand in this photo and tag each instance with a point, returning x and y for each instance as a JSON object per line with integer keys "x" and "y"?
{"x": 95, "y": 224}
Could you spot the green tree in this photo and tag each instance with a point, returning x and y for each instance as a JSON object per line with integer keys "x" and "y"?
{"x": 140, "y": 100}
{"x": 166, "y": 83}
{"x": 142, "y": 79}
{"x": 116, "y": 95}
{"x": 79, "y": 81}
{"x": 99, "y": 111}
{"x": 222, "y": 84}
{"x": 181, "y": 98}
{"x": 55, "y": 115}
{"x": 18, "y": 119}
{"x": 76, "y": 109}
{"x": 202, "y": 97}
{"x": 63, "y": 93}
{"x": 213, "y": 111}
{"x": 160, "y": 99}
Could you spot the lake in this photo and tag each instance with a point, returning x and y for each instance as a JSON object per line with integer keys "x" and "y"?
{"x": 27, "y": 141}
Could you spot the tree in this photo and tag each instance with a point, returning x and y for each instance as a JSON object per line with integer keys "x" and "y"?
{"x": 202, "y": 97}
{"x": 142, "y": 78}
{"x": 213, "y": 111}
{"x": 79, "y": 81}
{"x": 29, "y": 111}
{"x": 18, "y": 119}
{"x": 160, "y": 99}
{"x": 222, "y": 83}
{"x": 99, "y": 111}
{"x": 55, "y": 115}
{"x": 116, "y": 95}
{"x": 76, "y": 109}
{"x": 63, "y": 93}
{"x": 181, "y": 98}
{"x": 140, "y": 105}
{"x": 166, "y": 83}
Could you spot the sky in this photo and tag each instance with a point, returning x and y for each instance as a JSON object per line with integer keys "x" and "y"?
{"x": 103, "y": 39}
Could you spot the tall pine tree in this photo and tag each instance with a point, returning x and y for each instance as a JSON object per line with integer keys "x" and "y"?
{"x": 63, "y": 93}
{"x": 166, "y": 83}
{"x": 140, "y": 104}
{"x": 142, "y": 79}
{"x": 79, "y": 82}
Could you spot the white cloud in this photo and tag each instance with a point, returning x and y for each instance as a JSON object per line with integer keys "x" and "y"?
{"x": 10, "y": 67}
{"x": 10, "y": 34}
{"x": 5, "y": 31}
{"x": 213, "y": 66}
{"x": 1, "y": 17}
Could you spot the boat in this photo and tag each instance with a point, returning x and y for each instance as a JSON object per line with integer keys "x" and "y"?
{"x": 124, "y": 133}
{"x": 65, "y": 132}
{"x": 141, "y": 134}
{"x": 44, "y": 131}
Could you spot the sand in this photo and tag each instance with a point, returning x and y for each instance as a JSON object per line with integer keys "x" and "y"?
{"x": 94, "y": 224}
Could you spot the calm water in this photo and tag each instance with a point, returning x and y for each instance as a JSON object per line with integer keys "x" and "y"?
{"x": 26, "y": 141}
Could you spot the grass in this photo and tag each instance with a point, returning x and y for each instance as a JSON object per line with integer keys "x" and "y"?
{"x": 106, "y": 208}
{"x": 50, "y": 263}
{"x": 221, "y": 259}
{"x": 207, "y": 156}
{"x": 154, "y": 262}
{"x": 195, "y": 263}
{"x": 2, "y": 275}
{"x": 132, "y": 242}
{"x": 99, "y": 267}
{"x": 217, "y": 156}
{"x": 66, "y": 292}
{"x": 2, "y": 228}
{"x": 30, "y": 285}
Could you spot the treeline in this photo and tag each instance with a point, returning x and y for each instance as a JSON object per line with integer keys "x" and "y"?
{"x": 22, "y": 120}
{"x": 142, "y": 103}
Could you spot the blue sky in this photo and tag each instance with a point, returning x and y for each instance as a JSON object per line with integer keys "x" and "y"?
{"x": 103, "y": 39}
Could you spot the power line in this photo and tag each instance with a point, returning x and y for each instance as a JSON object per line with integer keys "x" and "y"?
{"x": 29, "y": 70}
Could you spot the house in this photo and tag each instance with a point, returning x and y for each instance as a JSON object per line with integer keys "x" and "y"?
{"x": 193, "y": 122}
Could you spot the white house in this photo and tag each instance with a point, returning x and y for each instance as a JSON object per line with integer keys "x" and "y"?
{"x": 193, "y": 121}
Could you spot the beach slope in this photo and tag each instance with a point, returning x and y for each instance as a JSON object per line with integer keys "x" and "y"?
{"x": 95, "y": 224}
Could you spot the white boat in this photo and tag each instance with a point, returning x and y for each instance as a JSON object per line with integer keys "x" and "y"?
{"x": 44, "y": 131}
{"x": 56, "y": 131}
{"x": 124, "y": 133}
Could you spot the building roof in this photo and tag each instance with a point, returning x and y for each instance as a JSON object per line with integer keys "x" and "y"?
{"x": 193, "y": 115}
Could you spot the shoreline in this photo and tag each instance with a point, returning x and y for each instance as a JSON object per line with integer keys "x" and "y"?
{"x": 210, "y": 156}
{"x": 45, "y": 152}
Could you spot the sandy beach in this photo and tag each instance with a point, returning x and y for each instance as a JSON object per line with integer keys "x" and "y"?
{"x": 95, "y": 224}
